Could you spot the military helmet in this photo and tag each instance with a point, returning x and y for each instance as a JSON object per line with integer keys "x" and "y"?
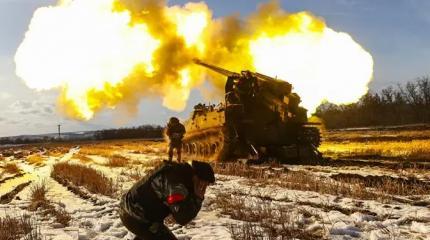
{"x": 174, "y": 120}
{"x": 204, "y": 171}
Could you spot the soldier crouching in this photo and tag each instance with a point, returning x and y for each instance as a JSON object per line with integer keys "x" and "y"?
{"x": 175, "y": 189}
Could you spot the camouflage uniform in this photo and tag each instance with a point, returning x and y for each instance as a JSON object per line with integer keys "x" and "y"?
{"x": 169, "y": 190}
{"x": 175, "y": 131}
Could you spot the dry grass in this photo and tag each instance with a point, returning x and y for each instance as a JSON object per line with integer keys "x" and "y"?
{"x": 264, "y": 220}
{"x": 20, "y": 154}
{"x": 38, "y": 195}
{"x": 386, "y": 184}
{"x": 242, "y": 170}
{"x": 94, "y": 181}
{"x": 376, "y": 135}
{"x": 134, "y": 173}
{"x": 359, "y": 188}
{"x": 117, "y": 161}
{"x": 57, "y": 151}
{"x": 402, "y": 150}
{"x": 35, "y": 159}
{"x": 92, "y": 150}
{"x": 144, "y": 168}
{"x": 12, "y": 168}
{"x": 400, "y": 144}
{"x": 7, "y": 152}
{"x": 60, "y": 215}
{"x": 147, "y": 163}
{"x": 147, "y": 147}
{"x": 14, "y": 228}
{"x": 112, "y": 147}
{"x": 83, "y": 158}
{"x": 38, "y": 200}
{"x": 54, "y": 154}
{"x": 303, "y": 181}
{"x": 103, "y": 148}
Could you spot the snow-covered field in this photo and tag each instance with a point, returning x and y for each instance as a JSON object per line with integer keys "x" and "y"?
{"x": 233, "y": 206}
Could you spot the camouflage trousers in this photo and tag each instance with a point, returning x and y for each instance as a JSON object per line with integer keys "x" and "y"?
{"x": 146, "y": 230}
{"x": 175, "y": 145}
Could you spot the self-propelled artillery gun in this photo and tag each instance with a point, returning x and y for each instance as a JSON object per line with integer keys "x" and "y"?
{"x": 260, "y": 120}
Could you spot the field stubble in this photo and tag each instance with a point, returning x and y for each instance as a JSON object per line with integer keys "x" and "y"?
{"x": 20, "y": 227}
{"x": 36, "y": 159}
{"x": 11, "y": 168}
{"x": 367, "y": 188}
{"x": 407, "y": 145}
{"x": 264, "y": 220}
{"x": 80, "y": 175}
{"x": 38, "y": 201}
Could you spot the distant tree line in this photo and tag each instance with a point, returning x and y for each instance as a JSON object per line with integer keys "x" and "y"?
{"x": 146, "y": 131}
{"x": 403, "y": 104}
{"x": 25, "y": 140}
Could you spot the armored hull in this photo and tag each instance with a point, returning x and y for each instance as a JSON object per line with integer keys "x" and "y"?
{"x": 260, "y": 120}
{"x": 204, "y": 137}
{"x": 208, "y": 138}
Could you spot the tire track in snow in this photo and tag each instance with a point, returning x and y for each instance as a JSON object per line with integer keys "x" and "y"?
{"x": 93, "y": 216}
{"x": 91, "y": 219}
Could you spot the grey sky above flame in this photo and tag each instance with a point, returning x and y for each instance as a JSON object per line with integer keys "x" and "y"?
{"x": 394, "y": 34}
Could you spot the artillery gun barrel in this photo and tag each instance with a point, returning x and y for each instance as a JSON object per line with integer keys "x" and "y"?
{"x": 265, "y": 77}
{"x": 228, "y": 73}
{"x": 219, "y": 70}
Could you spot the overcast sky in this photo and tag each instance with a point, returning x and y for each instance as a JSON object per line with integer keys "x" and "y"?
{"x": 395, "y": 32}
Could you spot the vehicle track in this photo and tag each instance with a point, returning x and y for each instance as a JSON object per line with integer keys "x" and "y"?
{"x": 8, "y": 197}
{"x": 74, "y": 189}
{"x": 91, "y": 214}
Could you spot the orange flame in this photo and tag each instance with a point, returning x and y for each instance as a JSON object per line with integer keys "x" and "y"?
{"x": 102, "y": 53}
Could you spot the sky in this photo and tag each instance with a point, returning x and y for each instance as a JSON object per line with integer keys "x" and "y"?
{"x": 395, "y": 32}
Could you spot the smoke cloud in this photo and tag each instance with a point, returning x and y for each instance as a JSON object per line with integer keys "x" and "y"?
{"x": 105, "y": 53}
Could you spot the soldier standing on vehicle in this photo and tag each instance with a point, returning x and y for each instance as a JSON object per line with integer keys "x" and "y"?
{"x": 175, "y": 131}
{"x": 175, "y": 189}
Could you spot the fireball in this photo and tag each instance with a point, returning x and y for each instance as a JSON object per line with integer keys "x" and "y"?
{"x": 103, "y": 53}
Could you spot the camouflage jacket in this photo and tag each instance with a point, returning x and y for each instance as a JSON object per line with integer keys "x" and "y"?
{"x": 169, "y": 190}
{"x": 175, "y": 131}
